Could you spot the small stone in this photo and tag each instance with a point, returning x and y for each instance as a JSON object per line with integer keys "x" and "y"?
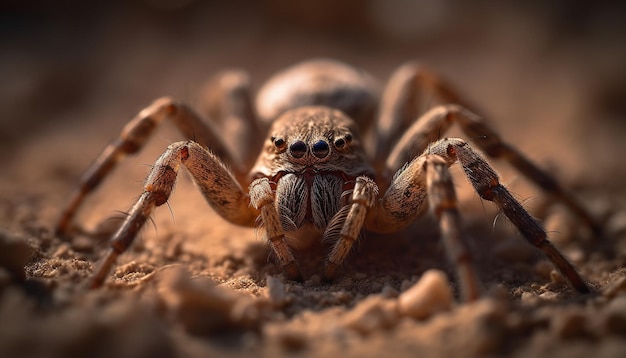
{"x": 373, "y": 313}
{"x": 431, "y": 294}
{"x": 549, "y": 296}
{"x": 529, "y": 298}
{"x": 556, "y": 277}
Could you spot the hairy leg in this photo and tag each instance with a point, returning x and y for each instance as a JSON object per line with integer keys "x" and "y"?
{"x": 262, "y": 199}
{"x": 363, "y": 198}
{"x": 427, "y": 178}
{"x": 405, "y": 198}
{"x": 437, "y": 121}
{"x": 410, "y": 90}
{"x": 487, "y": 184}
{"x": 443, "y": 203}
{"x": 215, "y": 181}
{"x": 227, "y": 102}
{"x": 133, "y": 137}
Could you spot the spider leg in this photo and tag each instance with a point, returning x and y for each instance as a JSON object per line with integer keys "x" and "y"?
{"x": 227, "y": 102}
{"x": 133, "y": 137}
{"x": 410, "y": 89}
{"x": 431, "y": 170}
{"x": 363, "y": 198}
{"x": 427, "y": 178}
{"x": 437, "y": 121}
{"x": 443, "y": 203}
{"x": 405, "y": 198}
{"x": 262, "y": 199}
{"x": 487, "y": 184}
{"x": 215, "y": 181}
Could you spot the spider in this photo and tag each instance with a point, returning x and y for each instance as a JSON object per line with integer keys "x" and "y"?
{"x": 339, "y": 157}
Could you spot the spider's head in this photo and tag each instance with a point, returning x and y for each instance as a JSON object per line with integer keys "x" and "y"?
{"x": 317, "y": 138}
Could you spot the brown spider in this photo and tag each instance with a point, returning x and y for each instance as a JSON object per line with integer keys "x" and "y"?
{"x": 313, "y": 170}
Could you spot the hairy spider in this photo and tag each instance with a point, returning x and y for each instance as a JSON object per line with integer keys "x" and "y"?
{"x": 316, "y": 170}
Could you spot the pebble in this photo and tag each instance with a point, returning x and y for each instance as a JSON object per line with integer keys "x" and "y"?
{"x": 556, "y": 277}
{"x": 372, "y": 314}
{"x": 529, "y": 298}
{"x": 431, "y": 294}
{"x": 549, "y": 296}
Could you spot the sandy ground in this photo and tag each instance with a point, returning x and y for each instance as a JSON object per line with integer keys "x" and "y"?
{"x": 194, "y": 285}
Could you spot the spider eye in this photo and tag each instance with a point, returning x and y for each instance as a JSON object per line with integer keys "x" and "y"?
{"x": 278, "y": 142}
{"x": 320, "y": 149}
{"x": 342, "y": 141}
{"x": 298, "y": 149}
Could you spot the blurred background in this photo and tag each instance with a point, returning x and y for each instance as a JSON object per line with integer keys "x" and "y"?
{"x": 551, "y": 76}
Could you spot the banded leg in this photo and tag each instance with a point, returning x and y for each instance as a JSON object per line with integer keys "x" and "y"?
{"x": 363, "y": 198}
{"x": 427, "y": 178}
{"x": 262, "y": 199}
{"x": 437, "y": 121}
{"x": 132, "y": 138}
{"x": 218, "y": 185}
{"x": 443, "y": 203}
{"x": 487, "y": 184}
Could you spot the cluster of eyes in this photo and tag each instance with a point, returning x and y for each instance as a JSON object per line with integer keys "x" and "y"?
{"x": 319, "y": 149}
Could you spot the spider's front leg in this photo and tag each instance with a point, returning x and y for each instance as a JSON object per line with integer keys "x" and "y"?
{"x": 262, "y": 199}
{"x": 215, "y": 181}
{"x": 351, "y": 218}
{"x": 228, "y": 100}
{"x": 428, "y": 177}
{"x": 133, "y": 137}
